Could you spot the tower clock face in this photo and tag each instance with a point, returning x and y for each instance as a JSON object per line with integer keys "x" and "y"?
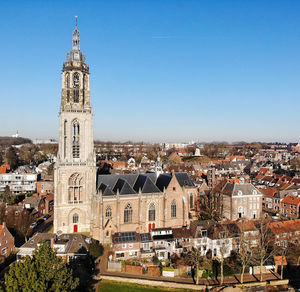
{"x": 76, "y": 80}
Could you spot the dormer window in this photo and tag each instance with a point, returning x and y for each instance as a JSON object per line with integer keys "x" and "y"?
{"x": 239, "y": 193}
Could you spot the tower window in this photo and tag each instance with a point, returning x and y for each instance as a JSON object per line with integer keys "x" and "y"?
{"x": 76, "y": 87}
{"x": 68, "y": 86}
{"x": 75, "y": 146}
{"x": 173, "y": 209}
{"x": 128, "y": 214}
{"x": 75, "y": 188}
{"x": 65, "y": 138}
{"x": 75, "y": 218}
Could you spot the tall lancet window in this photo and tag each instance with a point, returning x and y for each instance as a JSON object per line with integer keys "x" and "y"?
{"x": 173, "y": 209}
{"x": 151, "y": 212}
{"x": 128, "y": 214}
{"x": 83, "y": 88}
{"x": 75, "y": 146}
{"x": 76, "y": 87}
{"x": 68, "y": 86}
{"x": 75, "y": 188}
{"x": 65, "y": 138}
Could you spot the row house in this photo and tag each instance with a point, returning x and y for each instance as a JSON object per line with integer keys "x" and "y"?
{"x": 290, "y": 206}
{"x": 7, "y": 242}
{"x": 162, "y": 242}
{"x": 45, "y": 186}
{"x": 286, "y": 232}
{"x": 18, "y": 183}
{"x": 68, "y": 246}
{"x": 271, "y": 200}
{"x": 219, "y": 239}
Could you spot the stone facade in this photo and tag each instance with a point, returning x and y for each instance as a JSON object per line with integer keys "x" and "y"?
{"x": 81, "y": 207}
{"x": 75, "y": 168}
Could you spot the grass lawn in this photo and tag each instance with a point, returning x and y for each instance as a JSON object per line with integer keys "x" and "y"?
{"x": 112, "y": 286}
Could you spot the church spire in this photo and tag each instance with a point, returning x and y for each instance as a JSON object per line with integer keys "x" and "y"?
{"x": 76, "y": 37}
{"x": 76, "y": 54}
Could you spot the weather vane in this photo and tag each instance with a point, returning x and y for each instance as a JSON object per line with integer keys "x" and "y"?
{"x": 76, "y": 19}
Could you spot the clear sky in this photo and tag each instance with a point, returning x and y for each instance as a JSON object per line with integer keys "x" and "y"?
{"x": 160, "y": 70}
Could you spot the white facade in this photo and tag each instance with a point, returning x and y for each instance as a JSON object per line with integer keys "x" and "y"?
{"x": 18, "y": 183}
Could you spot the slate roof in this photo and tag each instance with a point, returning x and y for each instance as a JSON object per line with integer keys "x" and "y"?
{"x": 146, "y": 182}
{"x": 75, "y": 242}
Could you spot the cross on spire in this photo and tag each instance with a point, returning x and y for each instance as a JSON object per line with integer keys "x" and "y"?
{"x": 76, "y": 20}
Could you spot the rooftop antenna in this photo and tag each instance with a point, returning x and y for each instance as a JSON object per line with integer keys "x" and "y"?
{"x": 76, "y": 19}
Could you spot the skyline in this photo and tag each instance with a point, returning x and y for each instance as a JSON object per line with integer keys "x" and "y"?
{"x": 173, "y": 71}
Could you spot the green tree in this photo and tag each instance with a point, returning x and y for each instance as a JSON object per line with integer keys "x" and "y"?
{"x": 45, "y": 271}
{"x": 11, "y": 157}
{"x": 1, "y": 158}
{"x": 95, "y": 249}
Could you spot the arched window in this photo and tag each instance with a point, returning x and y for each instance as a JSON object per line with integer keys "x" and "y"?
{"x": 68, "y": 86}
{"x": 75, "y": 218}
{"x": 83, "y": 88}
{"x": 128, "y": 214}
{"x": 108, "y": 212}
{"x": 76, "y": 87}
{"x": 151, "y": 212}
{"x": 191, "y": 201}
{"x": 75, "y": 188}
{"x": 65, "y": 138}
{"x": 173, "y": 209}
{"x": 75, "y": 146}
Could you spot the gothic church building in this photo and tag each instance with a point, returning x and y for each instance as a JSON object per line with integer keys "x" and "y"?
{"x": 104, "y": 204}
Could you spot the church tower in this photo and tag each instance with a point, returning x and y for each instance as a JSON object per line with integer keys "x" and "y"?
{"x": 75, "y": 168}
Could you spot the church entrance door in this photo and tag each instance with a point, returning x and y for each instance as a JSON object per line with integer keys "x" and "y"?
{"x": 75, "y": 227}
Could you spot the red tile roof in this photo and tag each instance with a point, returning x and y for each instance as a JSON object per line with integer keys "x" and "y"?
{"x": 285, "y": 226}
{"x": 289, "y": 199}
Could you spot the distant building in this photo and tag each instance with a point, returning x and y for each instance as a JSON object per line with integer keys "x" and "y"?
{"x": 18, "y": 183}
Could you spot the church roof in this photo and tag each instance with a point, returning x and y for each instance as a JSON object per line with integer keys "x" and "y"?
{"x": 110, "y": 184}
{"x": 123, "y": 187}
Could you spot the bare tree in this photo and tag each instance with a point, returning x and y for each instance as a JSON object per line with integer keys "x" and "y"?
{"x": 282, "y": 251}
{"x": 220, "y": 259}
{"x": 245, "y": 250}
{"x": 223, "y": 234}
{"x": 265, "y": 247}
{"x": 195, "y": 259}
{"x": 23, "y": 223}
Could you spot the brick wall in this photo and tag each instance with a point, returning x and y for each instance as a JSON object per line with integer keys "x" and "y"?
{"x": 154, "y": 271}
{"x": 132, "y": 269}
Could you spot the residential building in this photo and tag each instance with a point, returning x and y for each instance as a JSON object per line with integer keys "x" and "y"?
{"x": 18, "y": 183}
{"x": 68, "y": 246}
{"x": 286, "y": 232}
{"x": 241, "y": 200}
{"x": 290, "y": 206}
{"x": 7, "y": 241}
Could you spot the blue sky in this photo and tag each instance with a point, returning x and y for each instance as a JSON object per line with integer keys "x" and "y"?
{"x": 160, "y": 70}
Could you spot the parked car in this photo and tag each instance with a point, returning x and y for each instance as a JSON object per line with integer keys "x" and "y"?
{"x": 40, "y": 221}
{"x": 32, "y": 225}
{"x": 46, "y": 217}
